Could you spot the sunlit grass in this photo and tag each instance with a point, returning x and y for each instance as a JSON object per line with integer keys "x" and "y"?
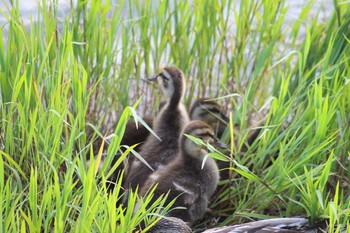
{"x": 69, "y": 79}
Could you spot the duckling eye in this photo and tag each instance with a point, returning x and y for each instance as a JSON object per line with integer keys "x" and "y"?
{"x": 214, "y": 110}
{"x": 211, "y": 109}
{"x": 205, "y": 135}
{"x": 164, "y": 77}
{"x": 165, "y": 80}
{"x": 165, "y": 83}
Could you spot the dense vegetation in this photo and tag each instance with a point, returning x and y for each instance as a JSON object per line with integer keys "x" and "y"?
{"x": 68, "y": 79}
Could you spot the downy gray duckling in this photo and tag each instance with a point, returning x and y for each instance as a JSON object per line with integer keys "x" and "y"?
{"x": 210, "y": 112}
{"x": 168, "y": 125}
{"x": 191, "y": 178}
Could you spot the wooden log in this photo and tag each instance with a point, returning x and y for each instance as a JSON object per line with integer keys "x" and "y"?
{"x": 269, "y": 225}
{"x": 277, "y": 225}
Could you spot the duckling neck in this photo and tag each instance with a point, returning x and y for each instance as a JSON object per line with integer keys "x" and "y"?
{"x": 175, "y": 99}
{"x": 194, "y": 161}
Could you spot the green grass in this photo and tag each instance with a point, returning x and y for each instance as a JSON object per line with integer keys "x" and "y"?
{"x": 70, "y": 79}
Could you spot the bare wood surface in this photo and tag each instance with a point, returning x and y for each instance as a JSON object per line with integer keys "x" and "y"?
{"x": 263, "y": 226}
{"x": 280, "y": 225}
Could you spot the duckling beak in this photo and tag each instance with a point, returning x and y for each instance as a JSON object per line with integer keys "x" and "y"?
{"x": 153, "y": 77}
{"x": 220, "y": 144}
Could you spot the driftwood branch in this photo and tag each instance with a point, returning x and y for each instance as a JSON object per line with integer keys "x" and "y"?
{"x": 269, "y": 225}
{"x": 285, "y": 225}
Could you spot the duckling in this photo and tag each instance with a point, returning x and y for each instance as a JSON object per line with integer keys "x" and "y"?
{"x": 168, "y": 125}
{"x": 210, "y": 112}
{"x": 191, "y": 178}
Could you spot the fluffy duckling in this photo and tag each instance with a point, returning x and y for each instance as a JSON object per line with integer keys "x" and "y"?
{"x": 191, "y": 178}
{"x": 210, "y": 112}
{"x": 168, "y": 125}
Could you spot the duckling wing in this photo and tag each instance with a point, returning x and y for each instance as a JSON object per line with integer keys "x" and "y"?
{"x": 192, "y": 197}
{"x": 188, "y": 192}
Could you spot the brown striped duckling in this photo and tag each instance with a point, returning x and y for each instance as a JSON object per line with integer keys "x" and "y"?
{"x": 210, "y": 112}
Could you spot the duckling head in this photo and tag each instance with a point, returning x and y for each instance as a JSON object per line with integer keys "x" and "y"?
{"x": 208, "y": 111}
{"x": 172, "y": 83}
{"x": 203, "y": 131}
